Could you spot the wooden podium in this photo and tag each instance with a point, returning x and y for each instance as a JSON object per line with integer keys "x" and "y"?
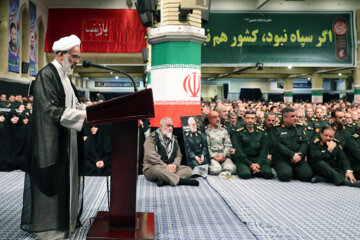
{"x": 122, "y": 222}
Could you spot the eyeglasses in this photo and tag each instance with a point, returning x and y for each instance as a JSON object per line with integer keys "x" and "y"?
{"x": 74, "y": 56}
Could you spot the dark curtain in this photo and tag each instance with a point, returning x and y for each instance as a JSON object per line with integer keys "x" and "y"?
{"x": 327, "y": 97}
{"x": 253, "y": 94}
{"x": 9, "y": 88}
{"x": 275, "y": 97}
{"x": 302, "y": 97}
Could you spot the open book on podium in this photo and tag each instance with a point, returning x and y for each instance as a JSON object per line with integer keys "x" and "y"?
{"x": 122, "y": 221}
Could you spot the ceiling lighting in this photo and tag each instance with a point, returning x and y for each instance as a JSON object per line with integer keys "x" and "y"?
{"x": 111, "y": 73}
{"x": 289, "y": 67}
{"x": 116, "y": 77}
{"x": 309, "y": 78}
{"x": 340, "y": 74}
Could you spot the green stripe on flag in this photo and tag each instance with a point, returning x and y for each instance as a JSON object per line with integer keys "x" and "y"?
{"x": 176, "y": 53}
{"x": 317, "y": 93}
{"x": 357, "y": 91}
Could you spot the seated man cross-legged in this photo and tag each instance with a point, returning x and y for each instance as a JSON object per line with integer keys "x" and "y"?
{"x": 289, "y": 149}
{"x": 219, "y": 145}
{"x": 328, "y": 161}
{"x": 251, "y": 149}
{"x": 162, "y": 158}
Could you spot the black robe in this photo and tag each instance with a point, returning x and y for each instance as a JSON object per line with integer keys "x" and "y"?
{"x": 14, "y": 145}
{"x": 97, "y": 148}
{"x": 47, "y": 186}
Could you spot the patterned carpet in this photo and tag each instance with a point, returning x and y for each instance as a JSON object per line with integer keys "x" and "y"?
{"x": 293, "y": 210}
{"x": 217, "y": 209}
{"x": 180, "y": 212}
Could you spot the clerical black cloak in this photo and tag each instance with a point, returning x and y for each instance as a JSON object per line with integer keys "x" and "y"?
{"x": 47, "y": 186}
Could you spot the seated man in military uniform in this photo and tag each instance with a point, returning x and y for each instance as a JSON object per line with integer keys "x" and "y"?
{"x": 290, "y": 148}
{"x": 219, "y": 145}
{"x": 162, "y": 158}
{"x": 251, "y": 147}
{"x": 196, "y": 148}
{"x": 328, "y": 160}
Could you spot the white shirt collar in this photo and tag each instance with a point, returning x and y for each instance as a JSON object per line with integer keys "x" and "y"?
{"x": 59, "y": 68}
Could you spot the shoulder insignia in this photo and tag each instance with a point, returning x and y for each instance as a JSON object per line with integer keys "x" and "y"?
{"x": 340, "y": 147}
{"x": 199, "y": 132}
{"x": 240, "y": 129}
{"x": 316, "y": 140}
{"x": 304, "y": 131}
{"x": 277, "y": 124}
{"x": 153, "y": 134}
{"x": 336, "y": 140}
{"x": 187, "y": 134}
{"x": 260, "y": 128}
{"x": 355, "y": 135}
{"x": 175, "y": 136}
{"x": 299, "y": 124}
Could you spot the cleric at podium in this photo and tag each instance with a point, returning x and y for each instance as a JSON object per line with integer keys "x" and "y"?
{"x": 52, "y": 194}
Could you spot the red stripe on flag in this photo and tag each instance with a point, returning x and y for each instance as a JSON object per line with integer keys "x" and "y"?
{"x": 174, "y": 112}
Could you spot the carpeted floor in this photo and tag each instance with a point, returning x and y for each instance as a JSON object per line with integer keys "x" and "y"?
{"x": 217, "y": 209}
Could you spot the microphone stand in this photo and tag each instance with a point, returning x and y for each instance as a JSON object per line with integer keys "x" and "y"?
{"x": 87, "y": 64}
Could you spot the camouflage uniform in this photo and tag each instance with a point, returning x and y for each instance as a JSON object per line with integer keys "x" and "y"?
{"x": 219, "y": 144}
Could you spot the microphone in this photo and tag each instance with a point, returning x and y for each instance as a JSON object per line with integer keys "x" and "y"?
{"x": 87, "y": 64}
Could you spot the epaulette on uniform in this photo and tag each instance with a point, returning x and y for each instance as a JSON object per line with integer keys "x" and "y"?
{"x": 316, "y": 140}
{"x": 260, "y": 128}
{"x": 187, "y": 134}
{"x": 335, "y": 140}
{"x": 355, "y": 135}
{"x": 276, "y": 125}
{"x": 240, "y": 129}
{"x": 299, "y": 124}
{"x": 153, "y": 134}
{"x": 199, "y": 132}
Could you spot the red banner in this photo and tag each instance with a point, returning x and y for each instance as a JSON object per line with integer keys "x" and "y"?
{"x": 100, "y": 30}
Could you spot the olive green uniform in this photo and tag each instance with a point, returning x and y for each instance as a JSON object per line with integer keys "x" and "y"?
{"x": 286, "y": 142}
{"x": 352, "y": 151}
{"x": 231, "y": 128}
{"x": 196, "y": 146}
{"x": 315, "y": 128}
{"x": 329, "y": 165}
{"x": 251, "y": 147}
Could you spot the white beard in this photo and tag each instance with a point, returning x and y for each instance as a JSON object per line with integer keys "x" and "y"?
{"x": 67, "y": 65}
{"x": 167, "y": 134}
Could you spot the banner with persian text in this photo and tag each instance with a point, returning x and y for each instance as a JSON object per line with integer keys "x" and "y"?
{"x": 32, "y": 39}
{"x": 100, "y": 30}
{"x": 280, "y": 38}
{"x": 14, "y": 36}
